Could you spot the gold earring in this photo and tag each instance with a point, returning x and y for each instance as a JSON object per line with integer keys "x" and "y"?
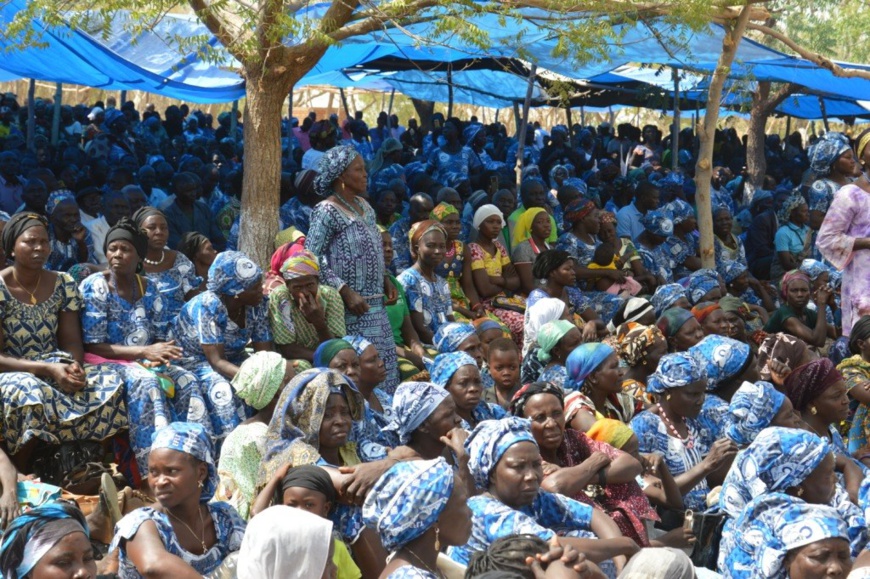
{"x": 813, "y": 410}
{"x": 437, "y": 539}
{"x": 667, "y": 396}
{"x": 201, "y": 484}
{"x": 800, "y": 491}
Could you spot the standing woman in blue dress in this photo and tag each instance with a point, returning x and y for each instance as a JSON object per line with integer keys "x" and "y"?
{"x": 123, "y": 321}
{"x": 213, "y": 329}
{"x": 344, "y": 234}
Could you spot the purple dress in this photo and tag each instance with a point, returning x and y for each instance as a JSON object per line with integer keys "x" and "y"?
{"x": 847, "y": 220}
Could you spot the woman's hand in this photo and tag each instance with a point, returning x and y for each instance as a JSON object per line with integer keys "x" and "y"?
{"x": 163, "y": 352}
{"x": 455, "y": 441}
{"x": 549, "y": 468}
{"x": 9, "y": 508}
{"x": 721, "y": 452}
{"x": 614, "y": 275}
{"x": 70, "y": 378}
{"x": 590, "y": 332}
{"x": 652, "y": 463}
{"x": 391, "y": 294}
{"x": 597, "y": 461}
{"x": 353, "y": 301}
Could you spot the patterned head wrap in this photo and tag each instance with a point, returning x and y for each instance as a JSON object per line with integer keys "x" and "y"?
{"x": 413, "y": 403}
{"x": 860, "y": 331}
{"x": 359, "y": 343}
{"x": 789, "y": 205}
{"x": 583, "y": 361}
{"x": 780, "y": 353}
{"x": 577, "y": 210}
{"x": 672, "y": 320}
{"x": 407, "y": 500}
{"x": 631, "y": 311}
{"x": 704, "y": 309}
{"x": 331, "y": 166}
{"x": 723, "y": 358}
{"x": 232, "y": 273}
{"x": 469, "y": 132}
{"x": 58, "y": 197}
{"x": 259, "y": 378}
{"x": 294, "y": 432}
{"x": 861, "y": 143}
{"x": 699, "y": 286}
{"x": 442, "y": 210}
{"x": 752, "y": 409}
{"x": 523, "y": 227}
{"x": 776, "y": 524}
{"x": 484, "y": 212}
{"x": 326, "y": 351}
{"x": 488, "y": 442}
{"x": 190, "y": 438}
{"x": 33, "y": 534}
{"x": 606, "y": 217}
{"x": 813, "y": 268}
{"x": 421, "y": 228}
{"x": 657, "y": 223}
{"x": 482, "y": 325}
{"x": 810, "y": 381}
{"x": 446, "y": 365}
{"x": 678, "y": 211}
{"x": 825, "y": 152}
{"x": 450, "y": 336}
{"x": 776, "y": 460}
{"x": 633, "y": 342}
{"x": 731, "y": 270}
{"x": 791, "y": 277}
{"x": 300, "y": 264}
{"x": 17, "y": 225}
{"x": 675, "y": 371}
{"x": 666, "y": 296}
{"x": 610, "y": 431}
{"x": 549, "y": 336}
{"x": 518, "y": 402}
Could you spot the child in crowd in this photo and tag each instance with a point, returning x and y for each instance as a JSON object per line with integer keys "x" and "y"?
{"x": 605, "y": 258}
{"x": 503, "y": 363}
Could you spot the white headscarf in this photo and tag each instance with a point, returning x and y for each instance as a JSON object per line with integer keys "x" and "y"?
{"x": 285, "y": 542}
{"x": 484, "y": 213}
{"x": 545, "y": 310}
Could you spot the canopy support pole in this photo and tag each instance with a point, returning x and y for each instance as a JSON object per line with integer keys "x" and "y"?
{"x": 824, "y": 114}
{"x": 290, "y": 105}
{"x": 449, "y": 90}
{"x": 612, "y": 116}
{"x": 583, "y": 115}
{"x": 390, "y": 110}
{"x": 55, "y": 120}
{"x": 344, "y": 103}
{"x": 123, "y": 99}
{"x": 787, "y": 126}
{"x": 675, "y": 131}
{"x": 234, "y": 118}
{"x": 568, "y": 116}
{"x": 496, "y": 114}
{"x": 31, "y": 115}
{"x": 527, "y": 103}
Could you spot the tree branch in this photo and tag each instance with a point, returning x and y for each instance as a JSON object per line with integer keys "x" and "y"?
{"x": 217, "y": 26}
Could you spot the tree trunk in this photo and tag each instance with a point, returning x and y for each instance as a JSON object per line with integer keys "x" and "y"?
{"x": 707, "y": 132}
{"x": 264, "y": 103}
{"x": 425, "y": 110}
{"x": 763, "y": 105}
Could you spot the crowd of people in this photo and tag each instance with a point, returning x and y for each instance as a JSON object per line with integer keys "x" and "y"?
{"x": 446, "y": 370}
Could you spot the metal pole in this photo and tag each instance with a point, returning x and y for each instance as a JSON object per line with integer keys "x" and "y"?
{"x": 523, "y": 127}
{"x": 234, "y": 120}
{"x": 675, "y": 130}
{"x": 55, "y": 120}
{"x": 449, "y": 90}
{"x": 31, "y": 115}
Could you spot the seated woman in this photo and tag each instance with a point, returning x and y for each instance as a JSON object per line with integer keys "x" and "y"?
{"x": 378, "y": 404}
{"x": 214, "y": 328}
{"x": 794, "y": 317}
{"x": 595, "y": 383}
{"x": 783, "y": 536}
{"x": 651, "y": 246}
{"x": 530, "y": 235}
{"x": 640, "y": 348}
{"x": 671, "y": 427}
{"x": 459, "y": 337}
{"x": 456, "y": 265}
{"x": 414, "y": 520}
{"x": 680, "y": 328}
{"x": 258, "y": 383}
{"x": 506, "y": 466}
{"x": 856, "y": 373}
{"x": 740, "y": 283}
{"x": 45, "y": 540}
{"x": 384, "y": 202}
{"x": 459, "y": 374}
{"x": 820, "y": 276}
{"x": 556, "y": 341}
{"x": 198, "y": 249}
{"x": 428, "y": 294}
{"x": 47, "y": 394}
{"x": 122, "y": 324}
{"x": 274, "y": 278}
{"x": 779, "y": 355}
{"x": 670, "y": 295}
{"x": 754, "y": 407}
{"x": 728, "y": 247}
{"x": 425, "y": 421}
{"x": 172, "y": 273}
{"x": 304, "y": 312}
{"x": 183, "y": 535}
{"x": 493, "y": 273}
{"x": 573, "y": 462}
{"x": 70, "y": 242}
{"x": 628, "y": 259}
{"x": 711, "y": 317}
{"x": 544, "y": 311}
{"x": 703, "y": 288}
{"x": 793, "y": 239}
{"x": 556, "y": 269}
{"x": 682, "y": 245}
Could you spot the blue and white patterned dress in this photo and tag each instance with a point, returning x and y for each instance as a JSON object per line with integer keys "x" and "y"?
{"x": 452, "y": 169}
{"x": 297, "y": 214}
{"x": 556, "y": 374}
{"x": 401, "y": 246}
{"x": 431, "y": 299}
{"x": 679, "y": 249}
{"x": 371, "y": 441}
{"x": 175, "y": 283}
{"x": 107, "y": 318}
{"x": 411, "y": 572}
{"x": 65, "y": 255}
{"x": 204, "y": 320}
{"x": 229, "y": 528}
{"x": 381, "y": 178}
{"x": 351, "y": 252}
{"x": 603, "y": 303}
{"x": 657, "y": 261}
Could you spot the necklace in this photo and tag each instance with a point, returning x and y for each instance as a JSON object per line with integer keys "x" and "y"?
{"x": 425, "y": 566}
{"x": 33, "y": 299}
{"x": 201, "y": 537}
{"x": 348, "y": 205}
{"x": 152, "y": 262}
{"x": 689, "y": 440}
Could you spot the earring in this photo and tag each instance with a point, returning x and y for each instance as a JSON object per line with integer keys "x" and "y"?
{"x": 342, "y": 186}
{"x": 800, "y": 491}
{"x": 201, "y": 484}
{"x": 813, "y": 410}
{"x": 437, "y": 539}
{"x": 667, "y": 396}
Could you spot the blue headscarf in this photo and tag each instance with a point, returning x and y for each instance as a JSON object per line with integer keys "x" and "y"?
{"x": 470, "y": 132}
{"x": 413, "y": 403}
{"x": 489, "y": 440}
{"x": 678, "y": 211}
{"x": 359, "y": 343}
{"x": 407, "y": 500}
{"x": 814, "y": 268}
{"x": 722, "y": 357}
{"x": 583, "y": 361}
{"x": 778, "y": 459}
{"x": 332, "y": 164}
{"x": 731, "y": 270}
{"x": 446, "y": 365}
{"x": 450, "y": 336}
{"x": 825, "y": 152}
{"x": 675, "y": 371}
{"x": 231, "y": 273}
{"x": 666, "y": 296}
{"x": 58, "y": 197}
{"x": 752, "y": 409}
{"x": 657, "y": 223}
{"x": 190, "y": 438}
{"x": 790, "y": 204}
{"x": 775, "y": 524}
{"x": 699, "y": 285}
{"x": 33, "y": 534}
